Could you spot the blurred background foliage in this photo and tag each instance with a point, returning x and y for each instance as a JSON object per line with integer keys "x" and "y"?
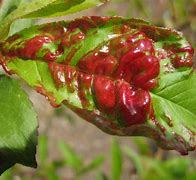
{"x": 70, "y": 148}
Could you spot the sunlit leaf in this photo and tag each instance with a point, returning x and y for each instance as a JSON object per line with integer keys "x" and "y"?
{"x": 44, "y": 8}
{"x": 80, "y": 64}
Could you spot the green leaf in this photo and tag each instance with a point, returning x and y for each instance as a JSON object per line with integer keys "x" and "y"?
{"x": 142, "y": 145}
{"x": 135, "y": 158}
{"x": 45, "y": 8}
{"x": 178, "y": 167}
{"x": 101, "y": 176}
{"x": 43, "y": 149}
{"x": 155, "y": 170}
{"x": 51, "y": 173}
{"x": 175, "y": 109}
{"x": 173, "y": 101}
{"x": 7, "y": 7}
{"x": 94, "y": 164}
{"x": 62, "y": 7}
{"x": 116, "y": 163}
{"x": 20, "y": 24}
{"x": 18, "y": 126}
{"x": 7, "y": 175}
{"x": 71, "y": 158}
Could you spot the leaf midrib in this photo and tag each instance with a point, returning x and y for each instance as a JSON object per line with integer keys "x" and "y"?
{"x": 152, "y": 94}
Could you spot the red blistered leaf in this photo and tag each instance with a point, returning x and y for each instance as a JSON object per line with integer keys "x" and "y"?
{"x": 133, "y": 104}
{"x": 105, "y": 94}
{"x": 123, "y": 75}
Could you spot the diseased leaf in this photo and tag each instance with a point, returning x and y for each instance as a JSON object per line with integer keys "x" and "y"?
{"x": 174, "y": 108}
{"x": 44, "y": 8}
{"x": 18, "y": 126}
{"x": 126, "y": 76}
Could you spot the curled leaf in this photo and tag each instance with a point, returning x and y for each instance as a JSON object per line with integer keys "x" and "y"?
{"x": 126, "y": 76}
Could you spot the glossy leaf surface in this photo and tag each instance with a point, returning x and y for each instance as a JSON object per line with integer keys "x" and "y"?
{"x": 126, "y": 76}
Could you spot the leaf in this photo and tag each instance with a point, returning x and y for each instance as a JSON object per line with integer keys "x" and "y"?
{"x": 101, "y": 176}
{"x": 51, "y": 173}
{"x": 80, "y": 64}
{"x": 94, "y": 164}
{"x": 175, "y": 105}
{"x": 178, "y": 167}
{"x": 71, "y": 158}
{"x": 6, "y": 7}
{"x": 7, "y": 175}
{"x": 135, "y": 158}
{"x": 20, "y": 24}
{"x": 61, "y": 8}
{"x": 142, "y": 145}
{"x": 155, "y": 170}
{"x": 116, "y": 163}
{"x": 43, "y": 150}
{"x": 18, "y": 126}
{"x": 45, "y": 8}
